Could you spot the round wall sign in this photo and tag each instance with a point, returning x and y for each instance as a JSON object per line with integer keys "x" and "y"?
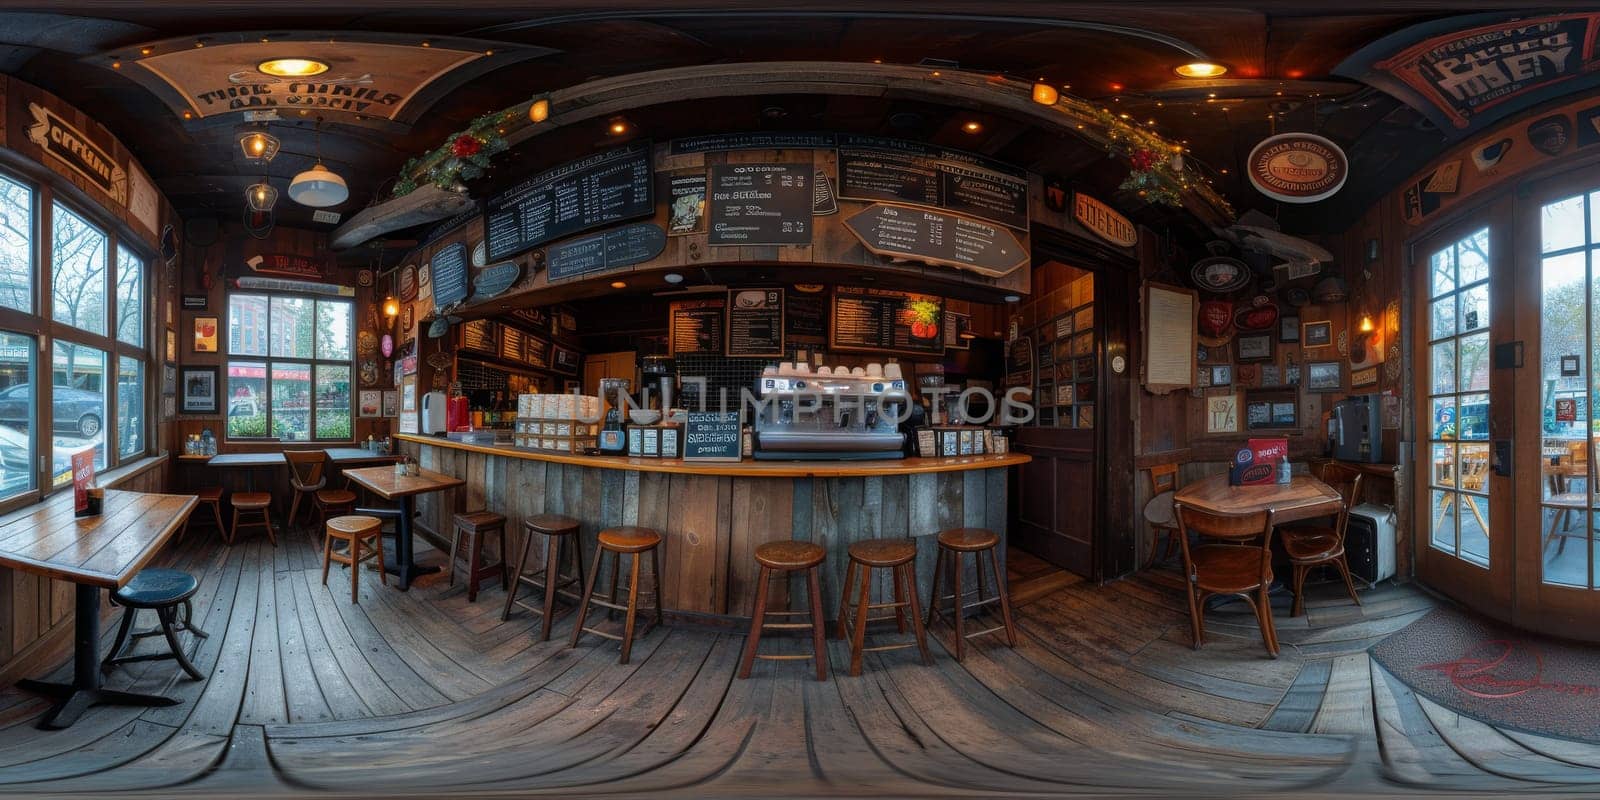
{"x": 1298, "y": 167}
{"x": 1220, "y": 274}
{"x": 1118, "y": 364}
{"x": 408, "y": 283}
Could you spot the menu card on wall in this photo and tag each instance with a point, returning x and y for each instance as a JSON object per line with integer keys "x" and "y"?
{"x": 805, "y": 314}
{"x": 510, "y": 344}
{"x": 696, "y": 326}
{"x": 945, "y": 240}
{"x": 755, "y": 322}
{"x": 478, "y": 336}
{"x": 878, "y": 319}
{"x": 875, "y": 168}
{"x": 1169, "y": 338}
{"x": 607, "y": 187}
{"x": 448, "y": 276}
{"x": 535, "y": 351}
{"x": 760, "y": 204}
{"x": 713, "y": 436}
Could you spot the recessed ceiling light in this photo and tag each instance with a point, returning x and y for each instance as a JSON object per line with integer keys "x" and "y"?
{"x": 972, "y": 126}
{"x": 619, "y": 284}
{"x": 1013, "y": 298}
{"x": 292, "y": 67}
{"x": 672, "y": 277}
{"x": 1200, "y": 69}
{"x": 617, "y": 126}
{"x": 539, "y": 111}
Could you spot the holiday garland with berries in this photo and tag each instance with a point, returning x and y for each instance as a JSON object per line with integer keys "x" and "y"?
{"x": 463, "y": 157}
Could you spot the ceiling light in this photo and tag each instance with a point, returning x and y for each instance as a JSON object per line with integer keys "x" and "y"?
{"x": 1013, "y": 298}
{"x": 972, "y": 126}
{"x": 391, "y": 307}
{"x": 318, "y": 187}
{"x": 539, "y": 111}
{"x": 1045, "y": 95}
{"x": 617, "y": 126}
{"x": 619, "y": 284}
{"x": 261, "y": 196}
{"x": 672, "y": 277}
{"x": 292, "y": 67}
{"x": 259, "y": 147}
{"x": 1200, "y": 69}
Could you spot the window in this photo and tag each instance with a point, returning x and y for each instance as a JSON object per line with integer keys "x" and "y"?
{"x": 78, "y": 258}
{"x": 17, "y": 470}
{"x": 1458, "y": 359}
{"x": 130, "y": 297}
{"x": 289, "y": 367}
{"x": 16, "y": 245}
{"x": 78, "y": 397}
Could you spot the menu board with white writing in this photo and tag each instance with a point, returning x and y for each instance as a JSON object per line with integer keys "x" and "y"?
{"x": 755, "y": 322}
{"x": 478, "y": 336}
{"x": 875, "y": 168}
{"x": 510, "y": 344}
{"x": 535, "y": 351}
{"x": 605, "y": 188}
{"x": 760, "y": 204}
{"x": 696, "y": 326}
{"x": 875, "y": 320}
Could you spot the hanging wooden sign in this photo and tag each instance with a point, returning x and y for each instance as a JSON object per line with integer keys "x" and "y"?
{"x": 75, "y": 149}
{"x": 287, "y": 264}
{"x": 1103, "y": 221}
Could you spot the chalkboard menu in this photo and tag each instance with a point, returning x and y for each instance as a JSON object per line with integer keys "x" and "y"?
{"x": 755, "y": 322}
{"x": 934, "y": 237}
{"x": 605, "y": 188}
{"x": 535, "y": 351}
{"x": 478, "y": 336}
{"x": 563, "y": 359}
{"x": 760, "y": 204}
{"x": 695, "y": 326}
{"x": 874, "y": 168}
{"x": 805, "y": 315}
{"x": 448, "y": 276}
{"x": 713, "y": 436}
{"x": 510, "y": 344}
{"x": 875, "y": 320}
{"x": 777, "y": 140}
{"x": 616, "y": 248}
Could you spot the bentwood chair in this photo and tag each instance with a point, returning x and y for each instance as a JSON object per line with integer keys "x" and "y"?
{"x": 1315, "y": 545}
{"x": 1237, "y": 564}
{"x": 1158, "y": 511}
{"x": 308, "y": 475}
{"x": 1568, "y": 502}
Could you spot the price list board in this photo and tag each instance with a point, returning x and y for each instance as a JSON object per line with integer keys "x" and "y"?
{"x": 478, "y": 336}
{"x": 875, "y": 168}
{"x": 600, "y": 190}
{"x": 876, "y": 320}
{"x": 806, "y": 315}
{"x": 510, "y": 344}
{"x": 755, "y": 323}
{"x": 696, "y": 326}
{"x": 760, "y": 204}
{"x": 535, "y": 352}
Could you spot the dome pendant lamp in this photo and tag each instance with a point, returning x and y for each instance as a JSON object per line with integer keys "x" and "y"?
{"x": 318, "y": 187}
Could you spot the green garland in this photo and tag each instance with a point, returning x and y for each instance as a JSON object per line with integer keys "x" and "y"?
{"x": 464, "y": 156}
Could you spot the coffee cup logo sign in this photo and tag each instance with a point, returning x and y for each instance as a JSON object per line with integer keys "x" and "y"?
{"x": 1298, "y": 168}
{"x": 71, "y": 147}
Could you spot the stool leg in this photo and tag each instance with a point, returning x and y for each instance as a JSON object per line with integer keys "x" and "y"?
{"x": 522, "y": 564}
{"x": 916, "y": 617}
{"x": 844, "y": 599}
{"x": 266, "y": 522}
{"x": 327, "y": 555}
{"x": 355, "y": 569}
{"x": 858, "y": 638}
{"x": 616, "y": 571}
{"x": 122, "y": 638}
{"x": 655, "y": 575}
{"x": 377, "y": 547}
{"x": 455, "y": 543}
{"x": 588, "y": 593}
{"x": 977, "y": 567}
{"x": 172, "y": 640}
{"x": 294, "y": 508}
{"x": 819, "y": 646}
{"x": 552, "y": 576}
{"x": 1004, "y": 593}
{"x": 505, "y": 573}
{"x": 633, "y": 608}
{"x": 227, "y": 535}
{"x": 474, "y": 563}
{"x": 933, "y": 596}
{"x": 960, "y": 609}
{"x": 758, "y": 615}
{"x": 216, "y": 511}
{"x": 899, "y": 597}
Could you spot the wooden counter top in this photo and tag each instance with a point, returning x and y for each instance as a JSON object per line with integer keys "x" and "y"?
{"x": 742, "y": 469}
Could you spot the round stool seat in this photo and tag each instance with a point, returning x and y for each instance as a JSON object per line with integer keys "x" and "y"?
{"x": 883, "y": 552}
{"x": 157, "y": 587}
{"x": 551, "y": 524}
{"x": 629, "y": 539}
{"x": 790, "y": 555}
{"x": 336, "y": 497}
{"x": 1159, "y": 512}
{"x": 354, "y": 525}
{"x": 479, "y": 520}
{"x": 968, "y": 540}
{"x": 210, "y": 494}
{"x": 251, "y": 500}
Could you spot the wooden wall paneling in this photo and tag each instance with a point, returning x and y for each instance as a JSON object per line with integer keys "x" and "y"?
{"x": 761, "y": 513}
{"x": 695, "y": 547}
{"x": 826, "y": 531}
{"x": 923, "y": 510}
{"x": 656, "y": 497}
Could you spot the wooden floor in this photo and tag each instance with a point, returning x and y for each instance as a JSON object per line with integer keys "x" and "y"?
{"x": 424, "y": 694}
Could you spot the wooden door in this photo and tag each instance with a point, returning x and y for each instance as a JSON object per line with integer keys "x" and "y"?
{"x": 609, "y": 365}
{"x": 1055, "y": 496}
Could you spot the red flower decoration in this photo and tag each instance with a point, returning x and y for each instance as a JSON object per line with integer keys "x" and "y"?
{"x": 465, "y": 146}
{"x": 1142, "y": 160}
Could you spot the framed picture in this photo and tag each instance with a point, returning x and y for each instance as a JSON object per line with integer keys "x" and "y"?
{"x": 205, "y": 334}
{"x": 172, "y": 347}
{"x": 1317, "y": 334}
{"x": 1286, "y": 414}
{"x": 1222, "y": 375}
{"x": 371, "y": 403}
{"x": 1289, "y": 329}
{"x": 1258, "y": 414}
{"x": 199, "y": 390}
{"x": 1222, "y": 413}
{"x": 1571, "y": 366}
{"x": 1363, "y": 377}
{"x": 391, "y": 403}
{"x": 169, "y": 407}
{"x": 1254, "y": 347}
{"x": 169, "y": 379}
{"x": 1324, "y": 376}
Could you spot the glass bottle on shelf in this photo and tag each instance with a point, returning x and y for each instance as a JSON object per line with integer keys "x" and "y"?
{"x": 208, "y": 444}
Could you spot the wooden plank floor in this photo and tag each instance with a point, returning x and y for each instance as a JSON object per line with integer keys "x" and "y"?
{"x": 425, "y": 694}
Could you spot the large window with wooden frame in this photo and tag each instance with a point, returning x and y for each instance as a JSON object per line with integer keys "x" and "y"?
{"x": 73, "y": 362}
{"x": 1458, "y": 369}
{"x": 290, "y": 363}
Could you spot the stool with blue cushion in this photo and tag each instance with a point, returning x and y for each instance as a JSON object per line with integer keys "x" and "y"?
{"x": 162, "y": 590}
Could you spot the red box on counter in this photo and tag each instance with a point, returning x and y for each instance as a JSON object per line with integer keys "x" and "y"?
{"x": 1257, "y": 462}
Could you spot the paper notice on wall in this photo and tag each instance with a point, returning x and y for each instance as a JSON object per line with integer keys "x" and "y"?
{"x": 1169, "y": 337}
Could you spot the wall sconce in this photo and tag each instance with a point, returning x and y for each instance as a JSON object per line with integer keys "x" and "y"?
{"x": 261, "y": 196}
{"x": 1044, "y": 94}
{"x": 391, "y": 307}
{"x": 539, "y": 111}
{"x": 1366, "y": 336}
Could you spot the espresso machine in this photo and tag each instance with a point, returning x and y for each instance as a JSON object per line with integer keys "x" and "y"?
{"x": 830, "y": 414}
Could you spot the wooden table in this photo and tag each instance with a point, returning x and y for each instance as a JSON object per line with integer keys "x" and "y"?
{"x": 383, "y": 482}
{"x": 94, "y": 553}
{"x": 250, "y": 462}
{"x": 1304, "y": 497}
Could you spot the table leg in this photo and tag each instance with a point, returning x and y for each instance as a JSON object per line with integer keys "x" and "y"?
{"x": 400, "y": 562}
{"x": 72, "y": 699}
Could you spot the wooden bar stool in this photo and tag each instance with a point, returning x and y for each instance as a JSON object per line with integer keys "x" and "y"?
{"x": 252, "y": 503}
{"x": 787, "y": 557}
{"x": 164, "y": 591}
{"x": 557, "y": 530}
{"x": 627, "y": 540}
{"x": 354, "y": 531}
{"x": 900, "y": 556}
{"x": 953, "y": 544}
{"x": 477, "y": 526}
{"x": 332, "y": 503}
{"x": 210, "y": 497}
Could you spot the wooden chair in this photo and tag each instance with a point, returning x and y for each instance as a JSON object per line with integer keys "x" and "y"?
{"x": 355, "y": 531}
{"x": 953, "y": 545}
{"x": 209, "y": 497}
{"x": 308, "y": 475}
{"x": 1568, "y": 502}
{"x": 1318, "y": 545}
{"x": 475, "y": 527}
{"x": 899, "y": 556}
{"x": 1238, "y": 567}
{"x": 1473, "y": 476}
{"x": 560, "y": 534}
{"x": 246, "y": 504}
{"x": 1158, "y": 511}
{"x": 787, "y": 557}
{"x": 618, "y": 542}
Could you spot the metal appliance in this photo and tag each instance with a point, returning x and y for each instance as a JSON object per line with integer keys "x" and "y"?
{"x": 431, "y": 420}
{"x": 1369, "y": 542}
{"x": 830, "y": 414}
{"x": 660, "y": 373}
{"x": 1355, "y": 430}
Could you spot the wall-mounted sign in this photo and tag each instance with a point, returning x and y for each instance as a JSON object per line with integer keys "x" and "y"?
{"x": 448, "y": 274}
{"x": 614, "y": 249}
{"x": 1464, "y": 72}
{"x": 599, "y": 190}
{"x": 938, "y": 238}
{"x": 875, "y": 168}
{"x": 194, "y": 302}
{"x": 1297, "y": 167}
{"x": 878, "y": 320}
{"x": 755, "y": 323}
{"x": 1103, "y": 221}
{"x": 564, "y": 359}
{"x": 495, "y": 279}
{"x": 286, "y": 264}
{"x": 713, "y": 436}
{"x": 760, "y": 204}
{"x": 1219, "y": 274}
{"x": 75, "y": 149}
{"x": 696, "y": 326}
{"x": 687, "y": 190}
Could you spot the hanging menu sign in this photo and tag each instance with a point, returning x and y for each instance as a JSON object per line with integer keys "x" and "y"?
{"x": 447, "y": 276}
{"x": 874, "y": 168}
{"x": 805, "y": 315}
{"x": 616, "y": 248}
{"x": 695, "y": 326}
{"x": 936, "y": 238}
{"x": 874, "y": 320}
{"x": 760, "y": 204}
{"x": 755, "y": 322}
{"x": 605, "y": 188}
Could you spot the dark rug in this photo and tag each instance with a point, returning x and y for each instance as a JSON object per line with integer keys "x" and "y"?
{"x": 1498, "y": 675}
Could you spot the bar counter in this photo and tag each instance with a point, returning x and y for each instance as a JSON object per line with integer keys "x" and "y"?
{"x": 713, "y": 515}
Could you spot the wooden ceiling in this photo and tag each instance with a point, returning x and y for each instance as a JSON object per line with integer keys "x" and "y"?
{"x": 1280, "y": 56}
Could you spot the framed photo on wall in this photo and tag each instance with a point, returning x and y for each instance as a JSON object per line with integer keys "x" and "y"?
{"x": 1222, "y": 375}
{"x": 1324, "y": 376}
{"x": 205, "y": 334}
{"x": 371, "y": 402}
{"x": 1254, "y": 347}
{"x": 391, "y": 403}
{"x": 169, "y": 406}
{"x": 1289, "y": 329}
{"x": 172, "y": 347}
{"x": 169, "y": 379}
{"x": 199, "y": 390}
{"x": 1317, "y": 334}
